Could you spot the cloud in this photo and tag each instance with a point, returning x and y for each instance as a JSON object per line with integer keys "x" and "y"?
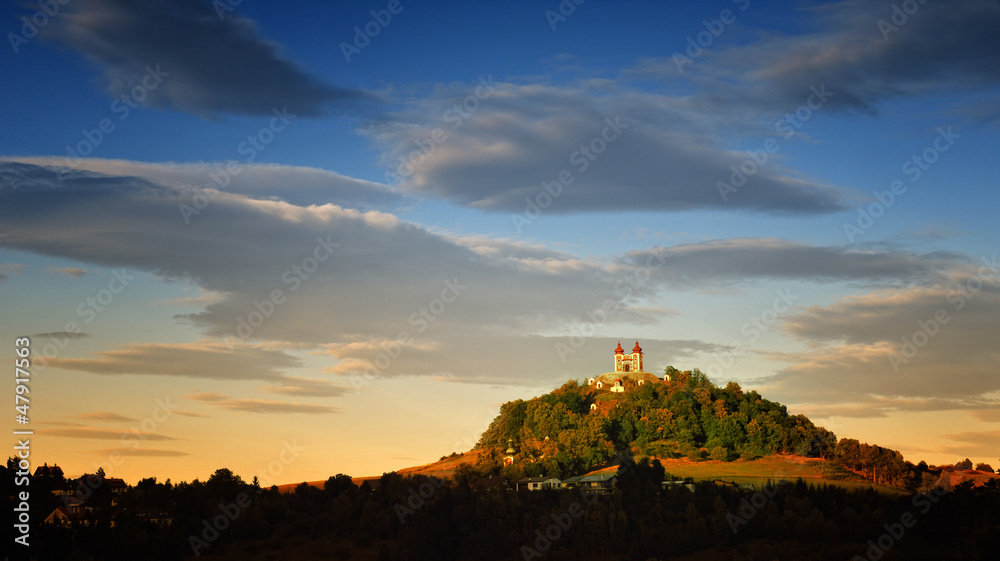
{"x": 732, "y": 261}
{"x": 72, "y": 272}
{"x": 351, "y": 284}
{"x": 307, "y": 387}
{"x": 190, "y": 414}
{"x": 105, "y": 434}
{"x": 62, "y": 335}
{"x": 221, "y": 65}
{"x": 987, "y": 415}
{"x": 190, "y": 360}
{"x": 921, "y": 347}
{"x": 8, "y": 269}
{"x": 507, "y": 359}
{"x": 260, "y": 405}
{"x": 147, "y": 452}
{"x": 618, "y": 150}
{"x": 859, "y": 50}
{"x": 297, "y": 185}
{"x": 972, "y": 443}
{"x": 983, "y": 437}
{"x": 106, "y": 416}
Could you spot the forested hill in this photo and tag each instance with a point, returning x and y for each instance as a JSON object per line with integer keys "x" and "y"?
{"x": 560, "y": 433}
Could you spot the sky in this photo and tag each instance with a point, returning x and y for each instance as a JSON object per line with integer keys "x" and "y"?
{"x": 301, "y": 239}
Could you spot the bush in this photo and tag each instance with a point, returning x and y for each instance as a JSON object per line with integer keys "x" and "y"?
{"x": 719, "y": 453}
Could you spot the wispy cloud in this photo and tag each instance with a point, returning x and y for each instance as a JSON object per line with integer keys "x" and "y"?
{"x": 616, "y": 147}
{"x": 62, "y": 335}
{"x": 72, "y": 272}
{"x": 856, "y": 50}
{"x": 221, "y": 66}
{"x": 975, "y": 443}
{"x": 106, "y": 416}
{"x": 8, "y": 269}
{"x": 192, "y": 360}
{"x": 105, "y": 434}
{"x": 913, "y": 348}
{"x": 374, "y": 285}
{"x": 260, "y": 405}
{"x": 140, "y": 451}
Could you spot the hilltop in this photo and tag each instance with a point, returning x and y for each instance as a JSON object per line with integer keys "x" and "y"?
{"x": 692, "y": 427}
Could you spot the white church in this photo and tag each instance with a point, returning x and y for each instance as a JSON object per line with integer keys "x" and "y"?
{"x": 629, "y": 370}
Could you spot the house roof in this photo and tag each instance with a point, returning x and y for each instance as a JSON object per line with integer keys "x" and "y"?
{"x": 598, "y": 477}
{"x": 536, "y": 479}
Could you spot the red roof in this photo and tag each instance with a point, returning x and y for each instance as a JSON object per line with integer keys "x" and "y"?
{"x": 619, "y": 350}
{"x": 636, "y": 348}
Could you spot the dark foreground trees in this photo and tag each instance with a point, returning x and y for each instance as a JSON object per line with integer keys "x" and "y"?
{"x": 403, "y": 518}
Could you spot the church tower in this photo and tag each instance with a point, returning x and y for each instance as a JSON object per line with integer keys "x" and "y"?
{"x": 631, "y": 362}
{"x": 637, "y": 357}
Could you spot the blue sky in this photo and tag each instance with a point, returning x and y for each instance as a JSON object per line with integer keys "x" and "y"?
{"x": 416, "y": 162}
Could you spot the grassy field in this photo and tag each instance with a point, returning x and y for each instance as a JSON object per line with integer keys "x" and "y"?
{"x": 756, "y": 472}
{"x": 773, "y": 468}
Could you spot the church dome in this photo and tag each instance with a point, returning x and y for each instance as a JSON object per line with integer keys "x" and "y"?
{"x": 620, "y": 350}
{"x": 635, "y": 349}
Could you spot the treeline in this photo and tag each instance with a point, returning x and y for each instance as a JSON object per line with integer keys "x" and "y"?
{"x": 402, "y": 518}
{"x": 558, "y": 433}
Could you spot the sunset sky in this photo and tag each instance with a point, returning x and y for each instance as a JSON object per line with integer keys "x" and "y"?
{"x": 335, "y": 238}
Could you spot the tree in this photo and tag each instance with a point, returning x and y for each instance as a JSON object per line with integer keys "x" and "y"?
{"x": 984, "y": 467}
{"x": 964, "y": 464}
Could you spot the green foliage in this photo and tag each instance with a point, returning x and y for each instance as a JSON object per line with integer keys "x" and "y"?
{"x": 876, "y": 463}
{"x": 557, "y": 433}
